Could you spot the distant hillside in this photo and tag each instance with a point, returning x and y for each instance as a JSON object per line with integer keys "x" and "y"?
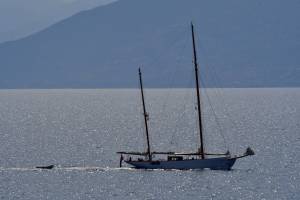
{"x": 19, "y": 19}
{"x": 249, "y": 43}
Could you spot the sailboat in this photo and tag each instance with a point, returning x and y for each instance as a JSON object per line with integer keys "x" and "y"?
{"x": 180, "y": 160}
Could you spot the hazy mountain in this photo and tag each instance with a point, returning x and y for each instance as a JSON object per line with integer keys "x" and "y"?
{"x": 249, "y": 43}
{"x": 22, "y": 18}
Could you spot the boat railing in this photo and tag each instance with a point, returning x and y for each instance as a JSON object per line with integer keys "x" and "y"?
{"x": 171, "y": 153}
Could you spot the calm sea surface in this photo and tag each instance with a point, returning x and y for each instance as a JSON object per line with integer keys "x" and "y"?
{"x": 79, "y": 132}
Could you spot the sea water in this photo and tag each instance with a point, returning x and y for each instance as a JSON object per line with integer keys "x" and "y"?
{"x": 79, "y": 132}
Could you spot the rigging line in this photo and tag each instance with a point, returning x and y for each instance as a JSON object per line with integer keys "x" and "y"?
{"x": 182, "y": 34}
{"x": 172, "y": 43}
{"x": 210, "y": 68}
{"x": 177, "y": 64}
{"x": 214, "y": 75}
{"x": 218, "y": 92}
{"x": 172, "y": 77}
{"x": 184, "y": 107}
{"x": 175, "y": 71}
{"x": 215, "y": 115}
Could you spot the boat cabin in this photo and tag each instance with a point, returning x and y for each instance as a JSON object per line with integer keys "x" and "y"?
{"x": 175, "y": 158}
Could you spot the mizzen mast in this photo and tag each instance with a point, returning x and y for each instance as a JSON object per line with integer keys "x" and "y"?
{"x": 201, "y": 150}
{"x": 146, "y": 116}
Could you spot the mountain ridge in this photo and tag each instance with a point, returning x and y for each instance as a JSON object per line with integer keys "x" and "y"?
{"x": 18, "y": 22}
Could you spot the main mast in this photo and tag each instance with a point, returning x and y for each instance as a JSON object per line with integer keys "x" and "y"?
{"x": 145, "y": 116}
{"x": 198, "y": 95}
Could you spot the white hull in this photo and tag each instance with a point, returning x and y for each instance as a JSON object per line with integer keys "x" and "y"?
{"x": 222, "y": 163}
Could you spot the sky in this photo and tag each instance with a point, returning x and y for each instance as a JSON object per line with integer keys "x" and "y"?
{"x": 20, "y": 18}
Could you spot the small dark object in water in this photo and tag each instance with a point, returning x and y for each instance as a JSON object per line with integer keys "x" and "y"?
{"x": 45, "y": 167}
